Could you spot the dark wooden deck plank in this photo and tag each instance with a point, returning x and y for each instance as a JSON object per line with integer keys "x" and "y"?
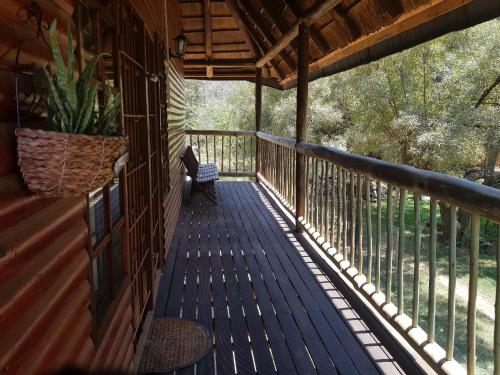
{"x": 308, "y": 285}
{"x": 238, "y": 270}
{"x": 244, "y": 252}
{"x": 289, "y": 280}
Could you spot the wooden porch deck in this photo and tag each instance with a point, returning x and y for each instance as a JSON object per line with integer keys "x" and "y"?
{"x": 240, "y": 271}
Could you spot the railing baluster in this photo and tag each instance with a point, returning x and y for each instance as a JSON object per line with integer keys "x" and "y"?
{"x": 471, "y": 308}
{"x": 416, "y": 269}
{"x": 215, "y": 152}
{"x": 452, "y": 276}
{"x": 326, "y": 203}
{"x": 230, "y": 152}
{"x": 432, "y": 273}
{"x": 308, "y": 192}
{"x": 315, "y": 203}
{"x": 344, "y": 212}
{"x": 401, "y": 249}
{"x": 332, "y": 205}
{"x": 222, "y": 161}
{"x": 353, "y": 218}
{"x": 206, "y": 146}
{"x": 199, "y": 146}
{"x": 292, "y": 179}
{"x": 321, "y": 222}
{"x": 378, "y": 243}
{"x": 359, "y": 226}
{"x": 236, "y": 141}
{"x": 369, "y": 242}
{"x": 388, "y": 271}
{"x": 496, "y": 339}
{"x": 339, "y": 211}
{"x": 252, "y": 168}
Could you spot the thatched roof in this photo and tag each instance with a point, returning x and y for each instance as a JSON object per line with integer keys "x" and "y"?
{"x": 228, "y": 37}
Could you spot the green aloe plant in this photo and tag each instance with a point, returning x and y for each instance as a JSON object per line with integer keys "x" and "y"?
{"x": 71, "y": 104}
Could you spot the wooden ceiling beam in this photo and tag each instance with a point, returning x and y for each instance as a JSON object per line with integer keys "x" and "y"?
{"x": 249, "y": 29}
{"x": 235, "y": 11}
{"x": 256, "y": 19}
{"x": 317, "y": 11}
{"x": 208, "y": 35}
{"x": 208, "y": 28}
{"x": 404, "y": 23}
{"x": 216, "y": 75}
{"x": 236, "y": 63}
{"x": 353, "y": 28}
{"x": 316, "y": 37}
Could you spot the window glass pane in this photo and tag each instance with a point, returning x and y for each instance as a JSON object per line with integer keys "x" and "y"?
{"x": 115, "y": 200}
{"x": 100, "y": 283}
{"x": 97, "y": 217}
{"x": 117, "y": 253}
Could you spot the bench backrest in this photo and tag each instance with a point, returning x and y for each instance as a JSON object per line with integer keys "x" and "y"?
{"x": 190, "y": 162}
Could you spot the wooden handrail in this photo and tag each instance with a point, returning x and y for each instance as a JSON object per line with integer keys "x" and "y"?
{"x": 283, "y": 141}
{"x": 473, "y": 197}
{"x": 220, "y": 132}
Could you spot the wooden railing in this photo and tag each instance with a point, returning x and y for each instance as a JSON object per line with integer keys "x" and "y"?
{"x": 232, "y": 151}
{"x": 395, "y": 232}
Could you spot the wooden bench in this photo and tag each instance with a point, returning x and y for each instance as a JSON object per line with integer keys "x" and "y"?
{"x": 203, "y": 176}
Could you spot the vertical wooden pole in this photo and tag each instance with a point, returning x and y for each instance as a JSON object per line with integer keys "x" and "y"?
{"x": 258, "y": 115}
{"x": 302, "y": 93}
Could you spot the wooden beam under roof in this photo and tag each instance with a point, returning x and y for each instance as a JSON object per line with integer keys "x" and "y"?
{"x": 236, "y": 63}
{"x": 248, "y": 28}
{"x": 404, "y": 23}
{"x": 316, "y": 37}
{"x": 233, "y": 7}
{"x": 208, "y": 35}
{"x": 257, "y": 21}
{"x": 280, "y": 23}
{"x": 317, "y": 11}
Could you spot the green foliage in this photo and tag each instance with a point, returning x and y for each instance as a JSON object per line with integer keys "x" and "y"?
{"x": 415, "y": 107}
{"x": 70, "y": 103}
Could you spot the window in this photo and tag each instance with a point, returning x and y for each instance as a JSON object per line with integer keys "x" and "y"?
{"x": 106, "y": 215}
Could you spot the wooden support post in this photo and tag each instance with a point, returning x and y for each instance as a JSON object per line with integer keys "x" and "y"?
{"x": 302, "y": 93}
{"x": 258, "y": 114}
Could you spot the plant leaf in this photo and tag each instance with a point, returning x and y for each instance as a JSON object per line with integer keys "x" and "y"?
{"x": 61, "y": 71}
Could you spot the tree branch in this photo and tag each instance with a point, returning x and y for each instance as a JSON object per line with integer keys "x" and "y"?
{"x": 487, "y": 92}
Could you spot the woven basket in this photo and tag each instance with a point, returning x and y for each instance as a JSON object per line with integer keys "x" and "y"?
{"x": 59, "y": 164}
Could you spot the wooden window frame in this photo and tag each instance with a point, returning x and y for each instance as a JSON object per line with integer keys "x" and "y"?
{"x": 115, "y": 286}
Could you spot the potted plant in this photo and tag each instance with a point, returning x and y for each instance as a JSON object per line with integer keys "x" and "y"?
{"x": 79, "y": 154}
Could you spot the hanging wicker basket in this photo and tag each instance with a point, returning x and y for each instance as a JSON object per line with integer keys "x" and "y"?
{"x": 59, "y": 164}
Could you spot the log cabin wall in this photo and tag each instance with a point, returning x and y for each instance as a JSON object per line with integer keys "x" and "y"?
{"x": 46, "y": 290}
{"x": 176, "y": 142}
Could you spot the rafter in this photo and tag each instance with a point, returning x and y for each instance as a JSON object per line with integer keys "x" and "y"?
{"x": 249, "y": 29}
{"x": 351, "y": 25}
{"x": 317, "y": 11}
{"x": 404, "y": 23}
{"x": 235, "y": 11}
{"x": 316, "y": 37}
{"x": 267, "y": 34}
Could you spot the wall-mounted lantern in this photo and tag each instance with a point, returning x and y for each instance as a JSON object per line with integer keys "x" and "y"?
{"x": 180, "y": 46}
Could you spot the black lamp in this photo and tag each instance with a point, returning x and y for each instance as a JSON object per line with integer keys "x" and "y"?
{"x": 180, "y": 46}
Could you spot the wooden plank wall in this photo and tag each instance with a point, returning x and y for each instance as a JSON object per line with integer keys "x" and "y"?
{"x": 45, "y": 289}
{"x": 45, "y": 293}
{"x": 176, "y": 142}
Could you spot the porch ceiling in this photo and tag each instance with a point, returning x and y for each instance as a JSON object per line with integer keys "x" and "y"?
{"x": 227, "y": 39}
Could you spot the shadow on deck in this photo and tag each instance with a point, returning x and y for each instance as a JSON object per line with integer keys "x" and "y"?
{"x": 239, "y": 270}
